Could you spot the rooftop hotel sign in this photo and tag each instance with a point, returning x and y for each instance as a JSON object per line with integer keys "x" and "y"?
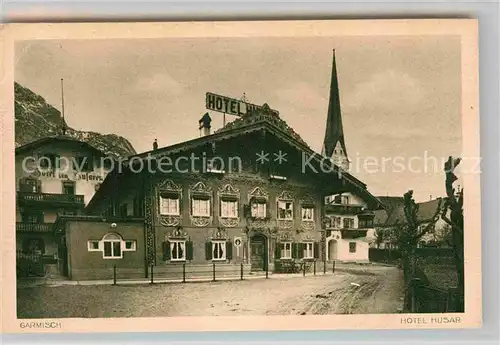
{"x": 229, "y": 106}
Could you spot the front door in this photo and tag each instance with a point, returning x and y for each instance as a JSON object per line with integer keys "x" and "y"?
{"x": 258, "y": 253}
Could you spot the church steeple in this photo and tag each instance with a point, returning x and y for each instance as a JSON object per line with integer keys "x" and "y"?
{"x": 334, "y": 143}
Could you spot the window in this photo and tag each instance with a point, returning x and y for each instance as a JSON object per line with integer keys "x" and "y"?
{"x": 130, "y": 245}
{"x": 345, "y": 199}
{"x": 286, "y": 250}
{"x": 365, "y": 223}
{"x": 112, "y": 246}
{"x": 259, "y": 210}
{"x": 229, "y": 208}
{"x": 218, "y": 250}
{"x": 34, "y": 246}
{"x": 352, "y": 247}
{"x": 112, "y": 250}
{"x": 83, "y": 164}
{"x": 201, "y": 207}
{"x": 29, "y": 185}
{"x": 308, "y": 214}
{"x": 32, "y": 216}
{"x": 215, "y": 165}
{"x": 348, "y": 223}
{"x": 49, "y": 161}
{"x": 138, "y": 210}
{"x": 69, "y": 187}
{"x": 123, "y": 211}
{"x": 285, "y": 209}
{"x": 178, "y": 250}
{"x": 169, "y": 205}
{"x": 93, "y": 246}
{"x": 308, "y": 250}
{"x": 337, "y": 221}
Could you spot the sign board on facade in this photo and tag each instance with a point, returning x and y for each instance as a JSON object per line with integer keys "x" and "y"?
{"x": 237, "y": 241}
{"x": 229, "y": 105}
{"x": 73, "y": 176}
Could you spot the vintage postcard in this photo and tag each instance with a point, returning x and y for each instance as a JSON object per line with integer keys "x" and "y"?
{"x": 259, "y": 175}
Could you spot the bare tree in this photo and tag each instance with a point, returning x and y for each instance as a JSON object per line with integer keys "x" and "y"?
{"x": 379, "y": 237}
{"x": 407, "y": 235}
{"x": 454, "y": 206}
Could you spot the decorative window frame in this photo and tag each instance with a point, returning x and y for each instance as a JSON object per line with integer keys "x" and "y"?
{"x": 223, "y": 245}
{"x": 201, "y": 189}
{"x": 307, "y": 202}
{"x": 117, "y": 239}
{"x": 260, "y": 196}
{"x": 172, "y": 243}
{"x": 37, "y": 185}
{"x": 90, "y": 245}
{"x": 219, "y": 235}
{"x": 285, "y": 223}
{"x": 229, "y": 193}
{"x": 351, "y": 220}
{"x": 169, "y": 186}
{"x": 178, "y": 235}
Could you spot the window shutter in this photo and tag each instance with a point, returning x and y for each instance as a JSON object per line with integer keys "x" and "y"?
{"x": 208, "y": 250}
{"x": 295, "y": 250}
{"x": 316, "y": 250}
{"x": 166, "y": 251}
{"x": 41, "y": 242}
{"x": 300, "y": 250}
{"x": 229, "y": 250}
{"x": 189, "y": 250}
{"x": 277, "y": 251}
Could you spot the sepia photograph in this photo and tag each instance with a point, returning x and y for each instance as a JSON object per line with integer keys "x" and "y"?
{"x": 245, "y": 175}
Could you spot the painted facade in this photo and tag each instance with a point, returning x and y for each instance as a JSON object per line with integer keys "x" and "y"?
{"x": 54, "y": 176}
{"x": 348, "y": 223}
{"x": 249, "y": 196}
{"x": 267, "y": 216}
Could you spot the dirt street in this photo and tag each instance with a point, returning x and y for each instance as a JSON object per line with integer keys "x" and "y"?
{"x": 362, "y": 290}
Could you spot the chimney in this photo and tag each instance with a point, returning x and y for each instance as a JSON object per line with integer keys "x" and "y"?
{"x": 155, "y": 145}
{"x": 204, "y": 125}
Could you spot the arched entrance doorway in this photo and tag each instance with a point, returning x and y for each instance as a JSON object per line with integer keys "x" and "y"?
{"x": 332, "y": 250}
{"x": 258, "y": 252}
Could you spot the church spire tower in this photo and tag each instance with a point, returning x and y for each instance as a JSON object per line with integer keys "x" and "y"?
{"x": 334, "y": 143}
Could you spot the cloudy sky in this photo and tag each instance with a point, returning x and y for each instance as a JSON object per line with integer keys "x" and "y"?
{"x": 400, "y": 96}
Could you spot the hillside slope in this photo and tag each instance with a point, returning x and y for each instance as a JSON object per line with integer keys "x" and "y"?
{"x": 35, "y": 119}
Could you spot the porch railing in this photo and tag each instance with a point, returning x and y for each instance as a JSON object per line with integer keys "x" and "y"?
{"x": 50, "y": 198}
{"x": 34, "y": 227}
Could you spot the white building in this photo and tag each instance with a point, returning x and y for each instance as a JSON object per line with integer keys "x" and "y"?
{"x": 347, "y": 220}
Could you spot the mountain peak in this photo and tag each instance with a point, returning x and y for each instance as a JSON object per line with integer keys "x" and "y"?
{"x": 36, "y": 119}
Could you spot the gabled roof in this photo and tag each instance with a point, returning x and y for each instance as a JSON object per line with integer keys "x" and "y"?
{"x": 264, "y": 114}
{"x": 426, "y": 211}
{"x": 390, "y": 203}
{"x": 266, "y": 119}
{"x": 61, "y": 139}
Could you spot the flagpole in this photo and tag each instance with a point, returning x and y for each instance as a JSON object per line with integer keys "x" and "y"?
{"x": 62, "y": 107}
